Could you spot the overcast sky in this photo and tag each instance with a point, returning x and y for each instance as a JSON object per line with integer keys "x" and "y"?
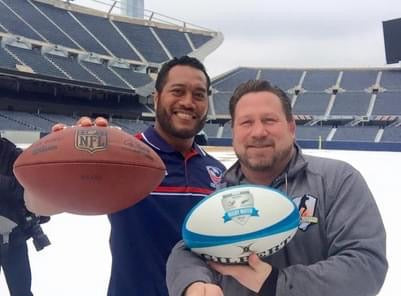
{"x": 288, "y": 33}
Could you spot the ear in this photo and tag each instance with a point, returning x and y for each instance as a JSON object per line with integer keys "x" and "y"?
{"x": 231, "y": 125}
{"x": 156, "y": 98}
{"x": 292, "y": 127}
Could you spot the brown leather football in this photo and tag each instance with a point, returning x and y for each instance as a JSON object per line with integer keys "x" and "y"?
{"x": 87, "y": 171}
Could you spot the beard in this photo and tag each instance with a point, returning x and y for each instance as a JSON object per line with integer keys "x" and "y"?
{"x": 265, "y": 162}
{"x": 166, "y": 123}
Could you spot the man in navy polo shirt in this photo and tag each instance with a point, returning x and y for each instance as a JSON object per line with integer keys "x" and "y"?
{"x": 143, "y": 235}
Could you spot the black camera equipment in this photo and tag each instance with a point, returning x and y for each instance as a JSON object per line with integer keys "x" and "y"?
{"x": 40, "y": 239}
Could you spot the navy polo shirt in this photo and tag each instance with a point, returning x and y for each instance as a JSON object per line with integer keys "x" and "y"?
{"x": 143, "y": 235}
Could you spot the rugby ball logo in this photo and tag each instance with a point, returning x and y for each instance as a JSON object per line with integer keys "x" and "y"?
{"x": 238, "y": 207}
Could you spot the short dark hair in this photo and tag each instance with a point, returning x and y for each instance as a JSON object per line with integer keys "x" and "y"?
{"x": 259, "y": 86}
{"x": 182, "y": 61}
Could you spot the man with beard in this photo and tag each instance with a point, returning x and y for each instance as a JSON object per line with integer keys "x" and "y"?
{"x": 143, "y": 235}
{"x": 344, "y": 253}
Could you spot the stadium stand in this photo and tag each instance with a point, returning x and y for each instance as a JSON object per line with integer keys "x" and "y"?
{"x": 130, "y": 126}
{"x": 230, "y": 81}
{"x": 104, "y": 74}
{"x": 227, "y": 133}
{"x": 15, "y": 24}
{"x": 30, "y": 121}
{"x": 391, "y": 80}
{"x": 144, "y": 40}
{"x": 8, "y": 122}
{"x": 80, "y": 32}
{"x": 387, "y": 103}
{"x": 312, "y": 132}
{"x": 320, "y": 80}
{"x": 36, "y": 61}
{"x": 43, "y": 26}
{"x": 135, "y": 79}
{"x": 212, "y": 129}
{"x": 312, "y": 104}
{"x": 7, "y": 60}
{"x": 74, "y": 69}
{"x": 287, "y": 79}
{"x": 59, "y": 61}
{"x": 391, "y": 134}
{"x": 198, "y": 40}
{"x": 65, "y": 20}
{"x": 107, "y": 35}
{"x": 333, "y": 108}
{"x": 355, "y": 103}
{"x": 175, "y": 41}
{"x": 356, "y": 80}
{"x": 221, "y": 100}
{"x": 357, "y": 133}
{"x": 55, "y": 118}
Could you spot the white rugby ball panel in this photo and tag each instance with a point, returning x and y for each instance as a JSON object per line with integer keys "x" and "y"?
{"x": 261, "y": 207}
{"x": 195, "y": 240}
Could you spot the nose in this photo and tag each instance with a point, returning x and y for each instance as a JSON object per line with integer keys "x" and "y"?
{"x": 259, "y": 130}
{"x": 187, "y": 101}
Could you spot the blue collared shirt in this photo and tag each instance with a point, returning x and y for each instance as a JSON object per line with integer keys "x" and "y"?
{"x": 143, "y": 235}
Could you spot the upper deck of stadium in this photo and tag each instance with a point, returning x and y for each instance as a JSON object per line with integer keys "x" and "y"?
{"x": 61, "y": 40}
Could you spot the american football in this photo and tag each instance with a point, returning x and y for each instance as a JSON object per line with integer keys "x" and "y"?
{"x": 88, "y": 171}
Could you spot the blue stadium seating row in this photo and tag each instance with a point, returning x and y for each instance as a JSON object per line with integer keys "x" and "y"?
{"x": 69, "y": 67}
{"x": 315, "y": 80}
{"x": 24, "y": 121}
{"x": 95, "y": 33}
{"x": 357, "y": 92}
{"x": 11, "y": 120}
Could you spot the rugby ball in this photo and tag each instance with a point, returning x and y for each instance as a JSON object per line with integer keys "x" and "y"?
{"x": 230, "y": 224}
{"x": 88, "y": 171}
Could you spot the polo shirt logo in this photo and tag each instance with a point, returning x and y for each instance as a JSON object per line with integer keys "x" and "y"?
{"x": 215, "y": 175}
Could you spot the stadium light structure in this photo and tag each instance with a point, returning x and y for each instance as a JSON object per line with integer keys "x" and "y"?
{"x": 133, "y": 8}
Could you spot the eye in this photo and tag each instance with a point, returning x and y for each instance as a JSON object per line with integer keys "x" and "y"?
{"x": 246, "y": 123}
{"x": 177, "y": 92}
{"x": 200, "y": 95}
{"x": 269, "y": 120}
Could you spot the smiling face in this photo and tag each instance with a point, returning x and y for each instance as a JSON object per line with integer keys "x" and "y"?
{"x": 263, "y": 138}
{"x": 182, "y": 104}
